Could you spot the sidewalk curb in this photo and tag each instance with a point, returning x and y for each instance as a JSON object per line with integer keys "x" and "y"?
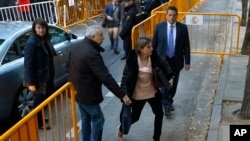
{"x": 214, "y": 126}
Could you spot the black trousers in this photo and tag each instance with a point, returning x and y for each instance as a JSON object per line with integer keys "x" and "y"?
{"x": 155, "y": 103}
{"x": 127, "y": 46}
{"x": 172, "y": 63}
{"x": 39, "y": 98}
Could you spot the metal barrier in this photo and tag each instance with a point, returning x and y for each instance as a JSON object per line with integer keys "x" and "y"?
{"x": 70, "y": 12}
{"x": 210, "y": 33}
{"x": 62, "y": 119}
{"x": 29, "y": 12}
{"x": 95, "y": 8}
{"x": 184, "y": 6}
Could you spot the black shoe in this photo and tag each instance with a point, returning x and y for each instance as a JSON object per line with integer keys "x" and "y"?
{"x": 172, "y": 108}
{"x": 40, "y": 123}
{"x": 46, "y": 126}
{"x": 124, "y": 57}
{"x": 116, "y": 52}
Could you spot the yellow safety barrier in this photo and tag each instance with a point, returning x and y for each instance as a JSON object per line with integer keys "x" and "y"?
{"x": 62, "y": 119}
{"x": 72, "y": 12}
{"x": 94, "y": 8}
{"x": 184, "y": 6}
{"x": 210, "y": 33}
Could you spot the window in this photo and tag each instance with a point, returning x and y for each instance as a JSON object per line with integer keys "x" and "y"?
{"x": 1, "y": 41}
{"x": 57, "y": 35}
{"x": 16, "y": 50}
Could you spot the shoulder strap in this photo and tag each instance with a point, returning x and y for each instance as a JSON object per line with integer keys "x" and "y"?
{"x": 114, "y": 9}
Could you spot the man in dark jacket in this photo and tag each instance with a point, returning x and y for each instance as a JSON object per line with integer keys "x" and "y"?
{"x": 128, "y": 22}
{"x": 87, "y": 72}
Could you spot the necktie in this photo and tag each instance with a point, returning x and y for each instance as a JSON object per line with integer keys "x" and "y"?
{"x": 114, "y": 5}
{"x": 170, "y": 52}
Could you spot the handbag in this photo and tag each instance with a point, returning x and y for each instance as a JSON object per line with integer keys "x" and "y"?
{"x": 156, "y": 78}
{"x": 126, "y": 118}
{"x": 159, "y": 79}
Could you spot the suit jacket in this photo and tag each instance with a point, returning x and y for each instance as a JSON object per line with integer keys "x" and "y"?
{"x": 182, "y": 43}
{"x": 108, "y": 11}
{"x": 88, "y": 72}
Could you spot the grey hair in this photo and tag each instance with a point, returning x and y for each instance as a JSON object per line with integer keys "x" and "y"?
{"x": 93, "y": 30}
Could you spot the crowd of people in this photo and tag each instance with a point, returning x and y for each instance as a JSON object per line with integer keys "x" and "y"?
{"x": 168, "y": 50}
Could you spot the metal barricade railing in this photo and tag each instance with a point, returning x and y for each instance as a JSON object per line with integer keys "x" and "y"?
{"x": 61, "y": 109}
{"x": 94, "y": 8}
{"x": 78, "y": 11}
{"x": 70, "y": 13}
{"x": 184, "y": 6}
{"x": 209, "y": 33}
{"x": 29, "y": 12}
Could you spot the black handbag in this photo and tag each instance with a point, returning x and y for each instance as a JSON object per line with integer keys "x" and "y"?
{"x": 104, "y": 24}
{"x": 126, "y": 118}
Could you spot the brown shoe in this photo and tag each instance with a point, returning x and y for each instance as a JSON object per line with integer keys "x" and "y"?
{"x": 119, "y": 134}
{"x": 167, "y": 112}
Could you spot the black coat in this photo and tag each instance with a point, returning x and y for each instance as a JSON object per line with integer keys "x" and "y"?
{"x": 38, "y": 66}
{"x": 131, "y": 70}
{"x": 128, "y": 22}
{"x": 88, "y": 72}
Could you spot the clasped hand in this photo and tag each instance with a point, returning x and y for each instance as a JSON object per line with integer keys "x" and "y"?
{"x": 126, "y": 100}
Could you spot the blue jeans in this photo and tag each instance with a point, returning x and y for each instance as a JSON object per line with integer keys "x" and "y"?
{"x": 92, "y": 122}
{"x": 166, "y": 100}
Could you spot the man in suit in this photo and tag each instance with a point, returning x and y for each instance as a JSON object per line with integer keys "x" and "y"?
{"x": 171, "y": 41}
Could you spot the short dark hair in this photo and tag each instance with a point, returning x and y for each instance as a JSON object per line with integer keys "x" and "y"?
{"x": 141, "y": 43}
{"x": 172, "y": 8}
{"x": 43, "y": 23}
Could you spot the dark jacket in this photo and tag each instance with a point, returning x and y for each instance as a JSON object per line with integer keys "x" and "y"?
{"x": 87, "y": 72}
{"x": 130, "y": 72}
{"x": 128, "y": 22}
{"x": 109, "y": 11}
{"x": 182, "y": 43}
{"x": 38, "y": 65}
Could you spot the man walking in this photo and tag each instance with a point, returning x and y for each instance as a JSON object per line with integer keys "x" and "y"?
{"x": 171, "y": 40}
{"x": 88, "y": 72}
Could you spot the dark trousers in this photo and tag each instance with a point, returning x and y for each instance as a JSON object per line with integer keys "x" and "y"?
{"x": 127, "y": 46}
{"x": 168, "y": 95}
{"x": 39, "y": 98}
{"x": 155, "y": 103}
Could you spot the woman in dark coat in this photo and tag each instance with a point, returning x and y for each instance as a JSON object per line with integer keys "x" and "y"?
{"x": 38, "y": 64}
{"x": 137, "y": 82}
